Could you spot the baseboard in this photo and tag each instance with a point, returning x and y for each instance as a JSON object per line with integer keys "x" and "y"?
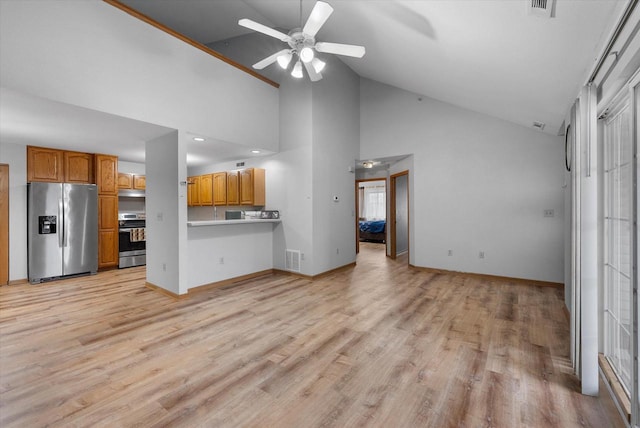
{"x": 18, "y": 281}
{"x": 298, "y": 274}
{"x": 614, "y": 387}
{"x": 492, "y": 277}
{"x": 229, "y": 281}
{"x": 165, "y": 292}
{"x": 318, "y": 276}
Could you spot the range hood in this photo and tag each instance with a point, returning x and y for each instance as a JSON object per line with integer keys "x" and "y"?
{"x": 131, "y": 193}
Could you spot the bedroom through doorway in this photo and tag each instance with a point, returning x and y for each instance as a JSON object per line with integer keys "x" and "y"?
{"x": 371, "y": 209}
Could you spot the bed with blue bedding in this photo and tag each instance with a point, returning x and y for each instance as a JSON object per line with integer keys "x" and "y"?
{"x": 373, "y": 230}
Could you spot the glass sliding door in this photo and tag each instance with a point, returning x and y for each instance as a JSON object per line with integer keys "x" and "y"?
{"x": 618, "y": 212}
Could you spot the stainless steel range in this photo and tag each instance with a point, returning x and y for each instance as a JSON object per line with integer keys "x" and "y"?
{"x": 132, "y": 240}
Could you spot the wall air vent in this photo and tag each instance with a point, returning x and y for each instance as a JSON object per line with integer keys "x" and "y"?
{"x": 292, "y": 260}
{"x": 541, "y": 8}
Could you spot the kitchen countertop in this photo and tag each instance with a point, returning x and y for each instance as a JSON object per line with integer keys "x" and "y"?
{"x": 231, "y": 222}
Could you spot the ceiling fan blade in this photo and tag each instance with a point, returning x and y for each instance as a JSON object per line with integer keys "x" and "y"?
{"x": 313, "y": 74}
{"x": 269, "y": 60}
{"x": 340, "y": 49}
{"x": 255, "y": 26}
{"x": 319, "y": 15}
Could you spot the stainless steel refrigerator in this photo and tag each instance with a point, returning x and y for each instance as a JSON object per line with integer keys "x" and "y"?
{"x": 62, "y": 230}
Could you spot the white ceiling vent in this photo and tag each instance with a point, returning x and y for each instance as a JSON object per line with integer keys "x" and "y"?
{"x": 292, "y": 260}
{"x": 541, "y": 8}
{"x": 538, "y": 125}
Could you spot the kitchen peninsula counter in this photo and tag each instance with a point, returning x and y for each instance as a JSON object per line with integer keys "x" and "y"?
{"x": 223, "y": 250}
{"x": 230, "y": 222}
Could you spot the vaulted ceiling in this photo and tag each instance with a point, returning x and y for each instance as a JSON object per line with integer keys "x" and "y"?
{"x": 489, "y": 56}
{"x": 485, "y": 55}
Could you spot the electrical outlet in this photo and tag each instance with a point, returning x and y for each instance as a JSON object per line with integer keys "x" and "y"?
{"x": 164, "y": 267}
{"x": 481, "y": 254}
{"x": 221, "y": 261}
{"x": 160, "y": 216}
{"x": 337, "y": 250}
{"x": 301, "y": 256}
{"x": 549, "y": 213}
{"x": 450, "y": 253}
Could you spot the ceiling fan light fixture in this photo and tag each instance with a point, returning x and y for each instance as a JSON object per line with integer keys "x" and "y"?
{"x": 284, "y": 60}
{"x": 306, "y": 54}
{"x": 297, "y": 70}
{"x": 318, "y": 65}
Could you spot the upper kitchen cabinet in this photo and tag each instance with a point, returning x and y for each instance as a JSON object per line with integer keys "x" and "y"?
{"x": 107, "y": 174}
{"x": 233, "y": 188}
{"x": 193, "y": 191}
{"x": 45, "y": 164}
{"x": 59, "y": 166}
{"x": 139, "y": 182}
{"x": 220, "y": 188}
{"x": 252, "y": 187}
{"x": 131, "y": 181}
{"x": 206, "y": 190}
{"x": 125, "y": 181}
{"x": 78, "y": 167}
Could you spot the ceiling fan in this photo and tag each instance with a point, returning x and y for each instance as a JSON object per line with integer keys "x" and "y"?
{"x": 302, "y": 43}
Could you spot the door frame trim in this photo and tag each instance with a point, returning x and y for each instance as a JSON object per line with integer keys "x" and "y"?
{"x": 5, "y": 225}
{"x": 357, "y": 212}
{"x": 392, "y": 215}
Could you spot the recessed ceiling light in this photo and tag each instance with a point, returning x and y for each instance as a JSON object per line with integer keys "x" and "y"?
{"x": 367, "y": 164}
{"x": 255, "y": 151}
{"x": 198, "y": 139}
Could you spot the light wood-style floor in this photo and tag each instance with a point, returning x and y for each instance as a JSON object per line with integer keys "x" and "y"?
{"x": 380, "y": 345}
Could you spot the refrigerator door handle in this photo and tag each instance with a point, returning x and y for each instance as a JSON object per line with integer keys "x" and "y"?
{"x": 65, "y": 234}
{"x": 60, "y": 217}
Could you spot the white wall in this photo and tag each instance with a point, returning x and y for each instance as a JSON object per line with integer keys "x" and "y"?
{"x": 216, "y": 253}
{"x": 478, "y": 184}
{"x": 15, "y": 155}
{"x": 91, "y": 54}
{"x": 336, "y": 131}
{"x": 131, "y": 167}
{"x": 166, "y": 225}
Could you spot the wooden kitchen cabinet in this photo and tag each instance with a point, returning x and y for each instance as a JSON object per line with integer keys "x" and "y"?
{"x": 45, "y": 165}
{"x": 206, "y": 190}
{"x": 233, "y": 188}
{"x": 125, "y": 181}
{"x": 193, "y": 191}
{"x": 139, "y": 182}
{"x": 78, "y": 167}
{"x": 107, "y": 231}
{"x": 252, "y": 187}
{"x": 131, "y": 181}
{"x": 107, "y": 181}
{"x": 108, "y": 212}
{"x": 107, "y": 174}
{"x": 107, "y": 249}
{"x": 220, "y": 188}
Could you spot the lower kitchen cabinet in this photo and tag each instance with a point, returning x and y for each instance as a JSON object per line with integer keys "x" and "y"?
{"x": 107, "y": 249}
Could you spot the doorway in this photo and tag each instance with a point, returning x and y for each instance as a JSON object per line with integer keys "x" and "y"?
{"x": 399, "y": 214}
{"x": 4, "y": 224}
{"x": 371, "y": 209}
